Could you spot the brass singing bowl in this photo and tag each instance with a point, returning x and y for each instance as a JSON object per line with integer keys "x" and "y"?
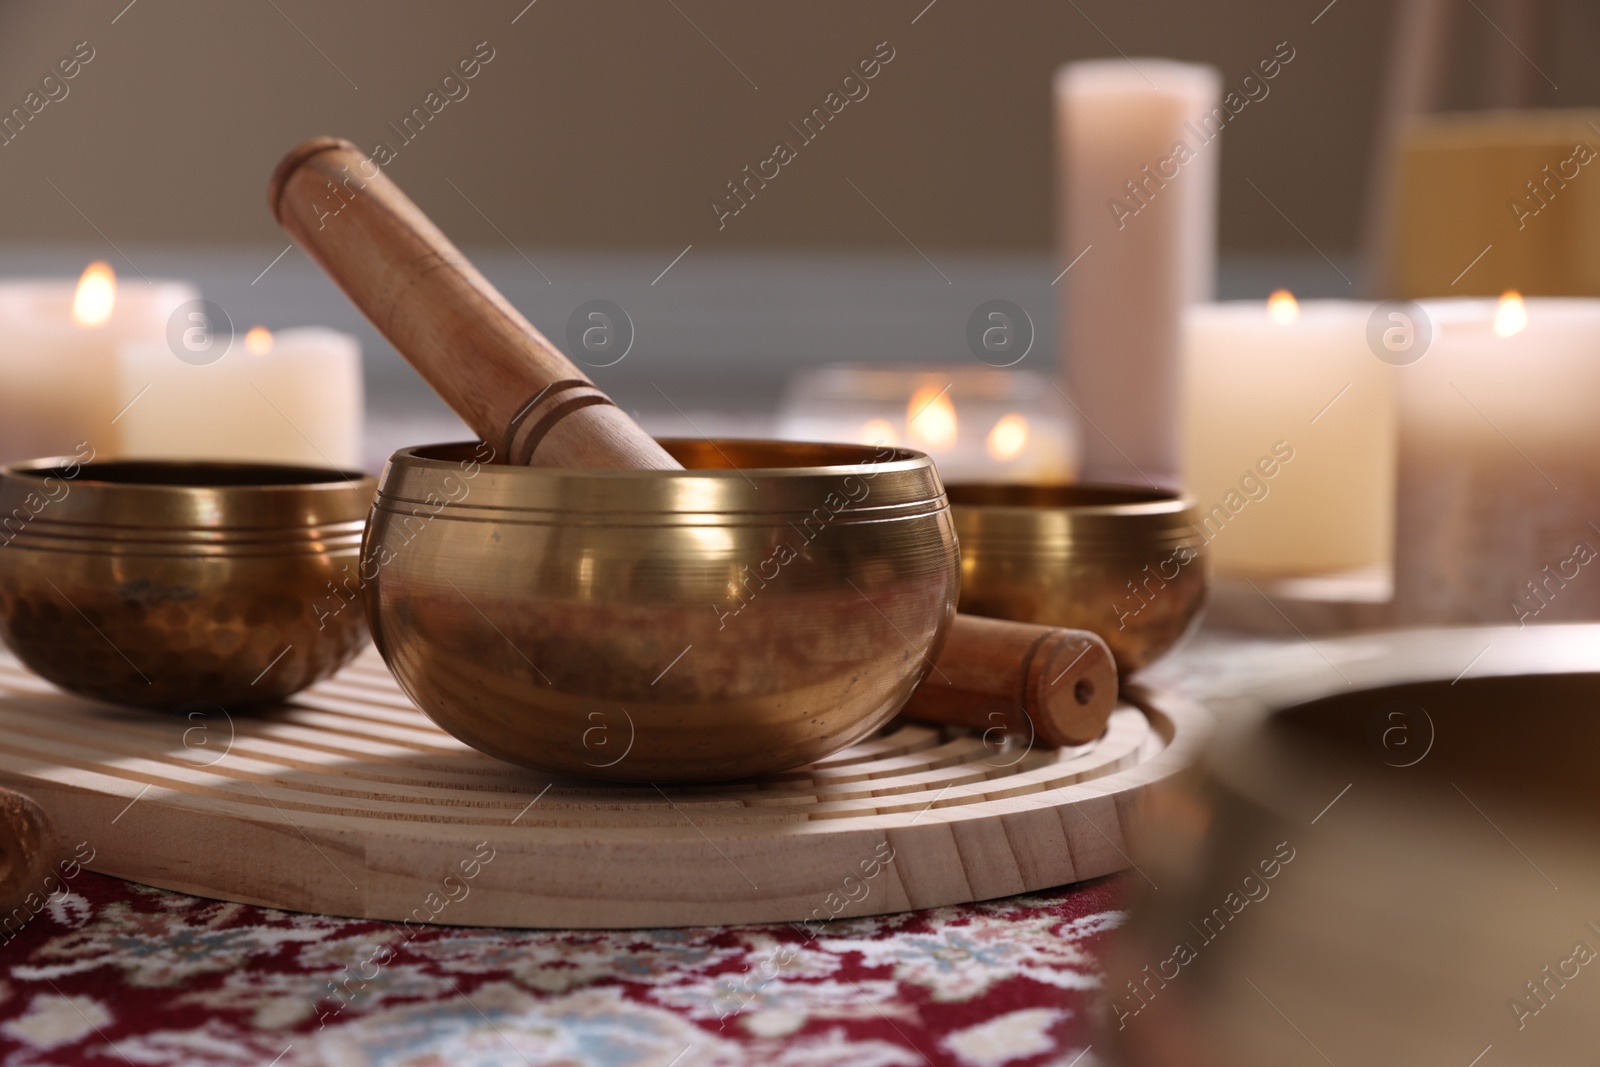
{"x": 769, "y": 605}
{"x": 1391, "y": 864}
{"x": 1124, "y": 562}
{"x": 168, "y": 583}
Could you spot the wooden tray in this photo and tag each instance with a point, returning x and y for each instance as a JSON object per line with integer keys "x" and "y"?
{"x": 349, "y": 801}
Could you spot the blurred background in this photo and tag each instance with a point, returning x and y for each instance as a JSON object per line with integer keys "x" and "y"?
{"x": 608, "y": 124}
{"x": 583, "y": 159}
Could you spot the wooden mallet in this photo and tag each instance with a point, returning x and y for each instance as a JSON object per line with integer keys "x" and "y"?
{"x": 1019, "y": 681}
{"x": 502, "y": 376}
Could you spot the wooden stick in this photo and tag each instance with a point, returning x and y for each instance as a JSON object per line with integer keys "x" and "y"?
{"x": 1043, "y": 682}
{"x": 510, "y": 384}
{"x": 28, "y": 853}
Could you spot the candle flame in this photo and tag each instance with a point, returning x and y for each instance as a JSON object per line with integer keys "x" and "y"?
{"x": 258, "y": 342}
{"x": 931, "y": 418}
{"x": 1009, "y": 437}
{"x": 1510, "y": 315}
{"x": 878, "y": 432}
{"x": 96, "y": 295}
{"x": 1282, "y": 307}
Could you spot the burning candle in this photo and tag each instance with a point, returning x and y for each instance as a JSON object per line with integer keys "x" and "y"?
{"x": 931, "y": 418}
{"x": 58, "y": 344}
{"x": 1138, "y": 165}
{"x": 290, "y": 397}
{"x": 1008, "y": 439}
{"x": 1499, "y": 494}
{"x": 977, "y": 424}
{"x": 1289, "y": 436}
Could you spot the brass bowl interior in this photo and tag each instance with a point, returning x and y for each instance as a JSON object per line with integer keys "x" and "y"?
{"x": 1079, "y": 496}
{"x": 1547, "y": 760}
{"x": 184, "y": 475}
{"x": 703, "y": 454}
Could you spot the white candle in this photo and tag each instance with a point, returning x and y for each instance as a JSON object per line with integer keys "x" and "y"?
{"x": 1138, "y": 165}
{"x": 1289, "y": 436}
{"x": 58, "y": 380}
{"x": 1499, "y": 495}
{"x": 290, "y": 397}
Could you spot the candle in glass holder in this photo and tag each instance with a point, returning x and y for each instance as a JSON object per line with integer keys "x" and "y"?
{"x": 294, "y": 396}
{"x": 1289, "y": 431}
{"x": 1499, "y": 474}
{"x": 58, "y": 345}
{"x": 978, "y": 424}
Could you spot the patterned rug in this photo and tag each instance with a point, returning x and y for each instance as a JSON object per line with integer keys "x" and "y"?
{"x": 112, "y": 973}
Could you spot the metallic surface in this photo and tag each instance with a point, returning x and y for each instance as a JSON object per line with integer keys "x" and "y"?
{"x": 768, "y": 606}
{"x": 170, "y": 583}
{"x": 1124, "y": 562}
{"x": 1393, "y": 842}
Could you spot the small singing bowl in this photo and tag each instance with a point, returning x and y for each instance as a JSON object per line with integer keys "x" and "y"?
{"x": 1124, "y": 562}
{"x": 769, "y": 605}
{"x": 167, "y": 583}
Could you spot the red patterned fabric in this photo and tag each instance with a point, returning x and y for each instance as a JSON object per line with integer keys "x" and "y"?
{"x": 113, "y": 973}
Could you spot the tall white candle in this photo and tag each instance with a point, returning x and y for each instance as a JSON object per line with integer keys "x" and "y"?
{"x": 1138, "y": 166}
{"x": 290, "y": 397}
{"x": 1289, "y": 436}
{"x": 58, "y": 344}
{"x": 1499, "y": 498}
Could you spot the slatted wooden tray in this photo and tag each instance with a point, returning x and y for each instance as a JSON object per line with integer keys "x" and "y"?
{"x": 349, "y": 801}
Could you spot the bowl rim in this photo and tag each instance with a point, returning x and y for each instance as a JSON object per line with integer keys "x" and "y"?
{"x": 53, "y": 502}
{"x": 904, "y": 459}
{"x": 1141, "y": 500}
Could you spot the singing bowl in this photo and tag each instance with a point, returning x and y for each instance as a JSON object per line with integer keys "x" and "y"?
{"x": 1124, "y": 562}
{"x": 1392, "y": 864}
{"x": 168, "y": 583}
{"x": 769, "y": 605}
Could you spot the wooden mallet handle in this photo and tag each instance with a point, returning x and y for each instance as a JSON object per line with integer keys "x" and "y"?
{"x": 1056, "y": 685}
{"x": 510, "y": 384}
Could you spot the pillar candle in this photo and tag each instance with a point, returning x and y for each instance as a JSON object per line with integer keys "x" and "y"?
{"x": 58, "y": 345}
{"x": 1289, "y": 436}
{"x": 290, "y": 397}
{"x": 1138, "y": 177}
{"x": 1499, "y": 494}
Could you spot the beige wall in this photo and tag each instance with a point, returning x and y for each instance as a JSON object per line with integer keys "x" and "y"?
{"x": 612, "y": 123}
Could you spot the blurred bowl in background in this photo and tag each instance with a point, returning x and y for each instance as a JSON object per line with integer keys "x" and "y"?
{"x": 1397, "y": 867}
{"x": 163, "y": 583}
{"x": 1127, "y": 563}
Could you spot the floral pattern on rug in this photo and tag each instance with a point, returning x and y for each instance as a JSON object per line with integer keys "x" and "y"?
{"x": 117, "y": 973}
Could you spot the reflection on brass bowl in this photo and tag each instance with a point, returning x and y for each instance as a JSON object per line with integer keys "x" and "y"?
{"x": 1124, "y": 562}
{"x": 771, "y": 604}
{"x": 166, "y": 583}
{"x": 1391, "y": 864}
